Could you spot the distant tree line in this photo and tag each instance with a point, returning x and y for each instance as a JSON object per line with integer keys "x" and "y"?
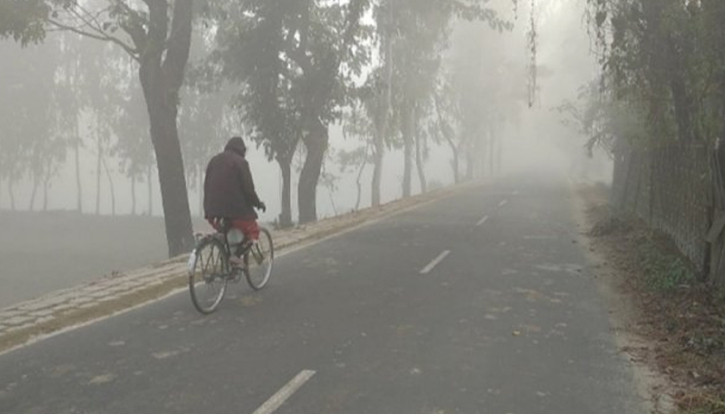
{"x": 283, "y": 71}
{"x": 663, "y": 73}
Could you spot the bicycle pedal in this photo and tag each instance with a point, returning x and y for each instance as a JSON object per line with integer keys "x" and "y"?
{"x": 236, "y": 275}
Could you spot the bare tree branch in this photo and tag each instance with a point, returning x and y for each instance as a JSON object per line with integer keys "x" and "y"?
{"x": 95, "y": 34}
{"x": 134, "y": 25}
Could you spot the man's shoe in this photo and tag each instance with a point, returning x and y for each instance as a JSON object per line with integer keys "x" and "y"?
{"x": 236, "y": 261}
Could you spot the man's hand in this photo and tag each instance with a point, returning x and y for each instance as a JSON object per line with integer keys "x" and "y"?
{"x": 262, "y": 206}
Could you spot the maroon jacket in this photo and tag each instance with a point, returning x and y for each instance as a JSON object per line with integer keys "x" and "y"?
{"x": 228, "y": 186}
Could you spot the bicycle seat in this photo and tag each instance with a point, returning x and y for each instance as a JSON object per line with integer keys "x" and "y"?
{"x": 221, "y": 224}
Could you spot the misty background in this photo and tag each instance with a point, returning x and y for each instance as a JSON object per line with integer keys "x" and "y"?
{"x": 76, "y": 150}
{"x": 531, "y": 137}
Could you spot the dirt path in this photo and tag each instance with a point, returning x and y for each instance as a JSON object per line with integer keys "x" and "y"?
{"x": 670, "y": 327}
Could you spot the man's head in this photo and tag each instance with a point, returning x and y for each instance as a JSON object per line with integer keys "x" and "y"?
{"x": 236, "y": 145}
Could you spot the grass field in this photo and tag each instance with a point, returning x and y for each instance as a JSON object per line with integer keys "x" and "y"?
{"x": 43, "y": 252}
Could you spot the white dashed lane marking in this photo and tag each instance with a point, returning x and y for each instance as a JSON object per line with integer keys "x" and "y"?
{"x": 435, "y": 262}
{"x": 279, "y": 398}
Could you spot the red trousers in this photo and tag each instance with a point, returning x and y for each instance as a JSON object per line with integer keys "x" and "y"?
{"x": 250, "y": 228}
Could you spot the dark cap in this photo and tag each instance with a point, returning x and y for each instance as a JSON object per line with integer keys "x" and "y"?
{"x": 236, "y": 144}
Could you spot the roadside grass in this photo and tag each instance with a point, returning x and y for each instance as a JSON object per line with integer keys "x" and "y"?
{"x": 682, "y": 318}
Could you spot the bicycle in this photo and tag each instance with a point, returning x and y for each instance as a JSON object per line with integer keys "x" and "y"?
{"x": 210, "y": 270}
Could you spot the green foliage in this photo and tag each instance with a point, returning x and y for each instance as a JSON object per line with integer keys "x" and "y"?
{"x": 667, "y": 58}
{"x": 23, "y": 20}
{"x": 705, "y": 403}
{"x": 665, "y": 272}
{"x": 33, "y": 130}
{"x": 602, "y": 119}
{"x": 293, "y": 61}
{"x": 480, "y": 90}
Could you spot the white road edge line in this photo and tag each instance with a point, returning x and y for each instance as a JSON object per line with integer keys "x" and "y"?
{"x": 483, "y": 220}
{"x": 503, "y": 203}
{"x": 435, "y": 262}
{"x": 276, "y": 401}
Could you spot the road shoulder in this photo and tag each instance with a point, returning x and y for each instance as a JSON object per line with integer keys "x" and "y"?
{"x": 662, "y": 318}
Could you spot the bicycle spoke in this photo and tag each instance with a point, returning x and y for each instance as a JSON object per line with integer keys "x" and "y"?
{"x": 259, "y": 261}
{"x": 207, "y": 282}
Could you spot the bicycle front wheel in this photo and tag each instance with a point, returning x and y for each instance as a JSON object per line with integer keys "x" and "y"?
{"x": 208, "y": 271}
{"x": 258, "y": 261}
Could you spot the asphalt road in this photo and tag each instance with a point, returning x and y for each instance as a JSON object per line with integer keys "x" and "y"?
{"x": 478, "y": 303}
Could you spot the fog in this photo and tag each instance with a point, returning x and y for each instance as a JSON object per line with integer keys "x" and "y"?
{"x": 69, "y": 96}
{"x": 532, "y": 138}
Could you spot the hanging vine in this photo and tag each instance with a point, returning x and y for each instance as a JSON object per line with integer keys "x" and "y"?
{"x": 531, "y": 47}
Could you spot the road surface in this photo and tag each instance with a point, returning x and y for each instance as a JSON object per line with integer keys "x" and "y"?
{"x": 478, "y": 303}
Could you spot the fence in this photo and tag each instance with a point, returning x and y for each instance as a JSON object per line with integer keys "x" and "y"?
{"x": 676, "y": 190}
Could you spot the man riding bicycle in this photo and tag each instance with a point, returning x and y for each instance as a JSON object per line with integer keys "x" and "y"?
{"x": 229, "y": 194}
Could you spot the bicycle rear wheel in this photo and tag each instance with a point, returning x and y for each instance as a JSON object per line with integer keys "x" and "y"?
{"x": 208, "y": 271}
{"x": 258, "y": 261}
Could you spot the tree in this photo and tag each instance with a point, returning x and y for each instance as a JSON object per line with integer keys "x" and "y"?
{"x": 601, "y": 119}
{"x": 248, "y": 46}
{"x": 330, "y": 35}
{"x": 666, "y": 58}
{"x": 357, "y": 125}
{"x": 27, "y": 131}
{"x": 446, "y": 123}
{"x": 24, "y": 20}
{"x": 486, "y": 90}
{"x": 294, "y": 62}
{"x": 207, "y": 122}
{"x": 372, "y": 119}
{"x": 133, "y": 146}
{"x": 422, "y": 33}
{"x": 70, "y": 103}
{"x": 157, "y": 35}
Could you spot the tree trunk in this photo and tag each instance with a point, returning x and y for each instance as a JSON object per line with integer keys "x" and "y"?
{"x": 99, "y": 161}
{"x": 46, "y": 185}
{"x": 447, "y": 132}
{"x": 378, "y": 154}
{"x": 161, "y": 71}
{"x": 455, "y": 162}
{"x": 285, "y": 216}
{"x": 377, "y": 173}
{"x": 149, "y": 181}
{"x": 382, "y": 127}
{"x": 419, "y": 162}
{"x": 315, "y": 140}
{"x": 332, "y": 202}
{"x": 470, "y": 155}
{"x": 133, "y": 195}
{"x": 111, "y": 187}
{"x": 479, "y": 158}
{"x": 34, "y": 193}
{"x": 407, "y": 149}
{"x": 79, "y": 194}
{"x": 358, "y": 181}
{"x": 201, "y": 190}
{"x": 172, "y": 180}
